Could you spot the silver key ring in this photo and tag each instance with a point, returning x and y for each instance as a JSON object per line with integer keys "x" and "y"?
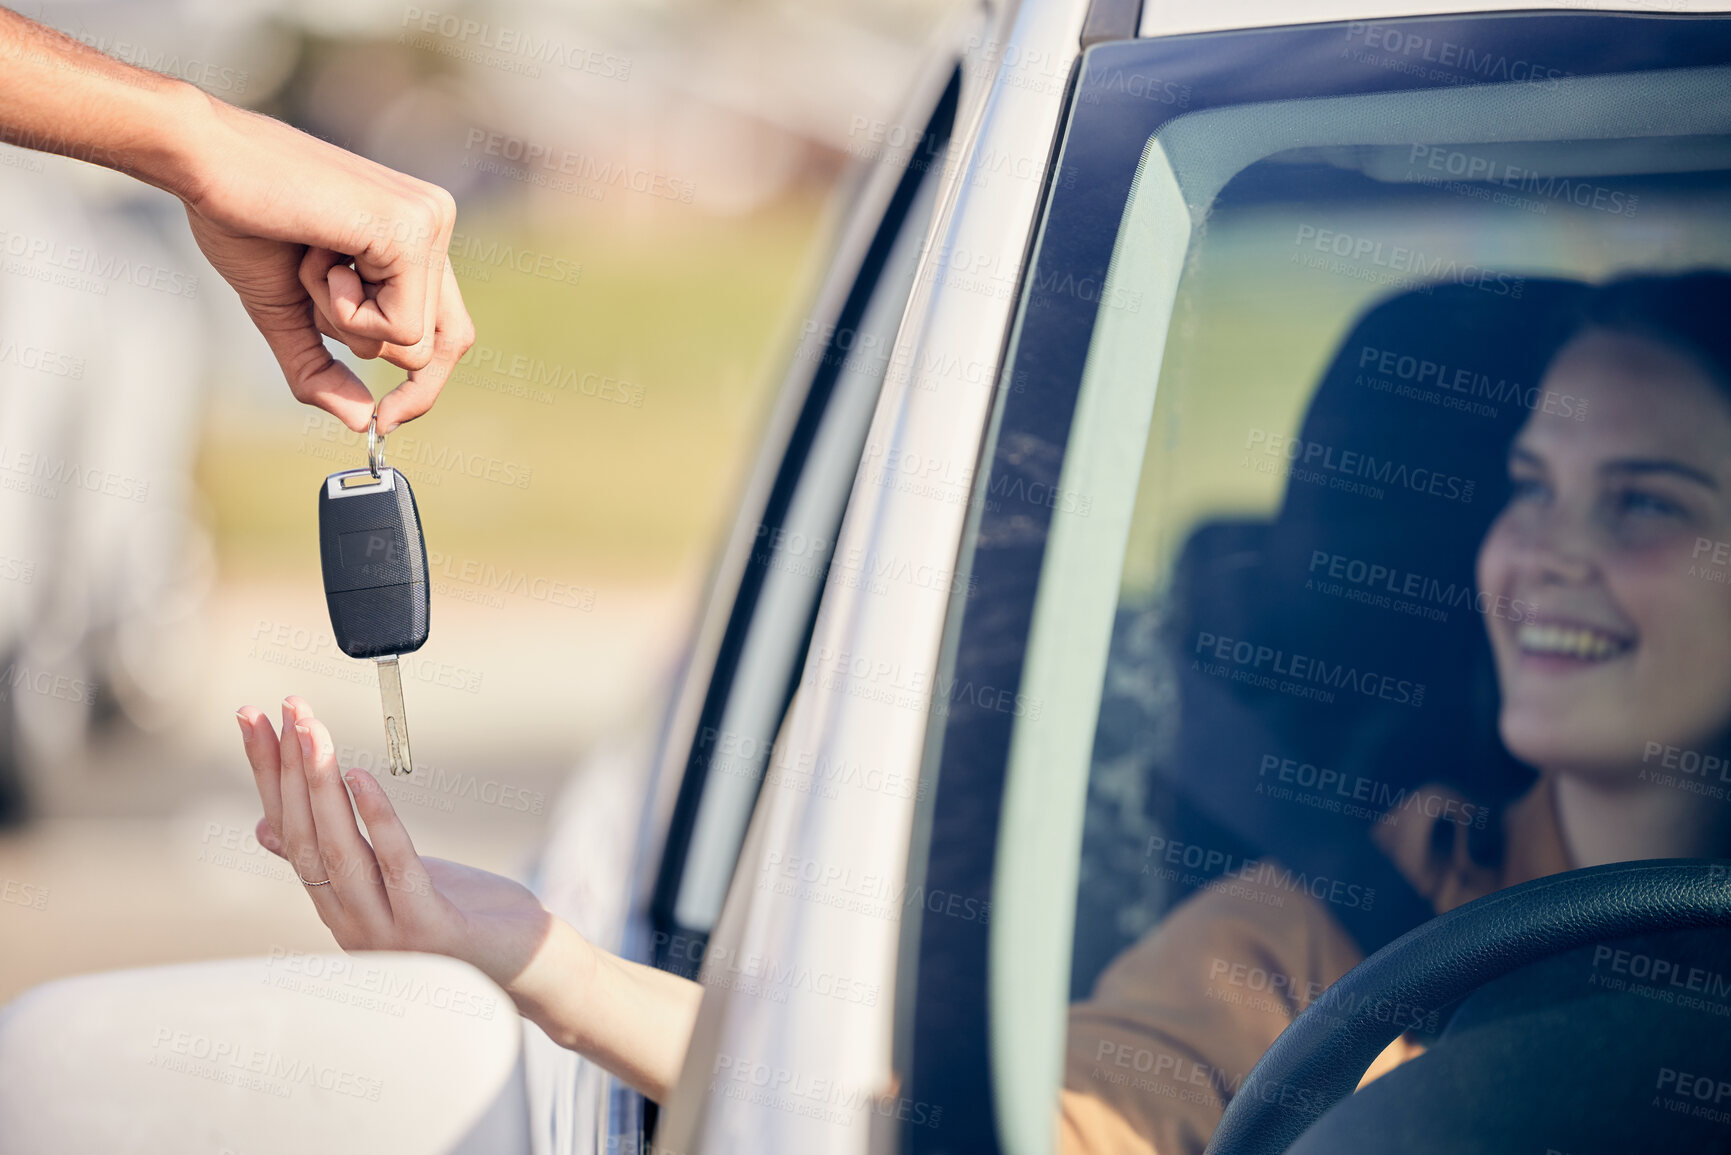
{"x": 375, "y": 445}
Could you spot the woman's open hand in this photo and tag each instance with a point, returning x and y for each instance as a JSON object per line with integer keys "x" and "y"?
{"x": 632, "y": 1019}
{"x": 381, "y": 894}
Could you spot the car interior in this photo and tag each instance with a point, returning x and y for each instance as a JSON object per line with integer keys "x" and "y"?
{"x": 1266, "y": 581}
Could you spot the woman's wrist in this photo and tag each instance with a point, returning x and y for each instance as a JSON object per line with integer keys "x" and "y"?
{"x": 633, "y": 1020}
{"x": 554, "y": 989}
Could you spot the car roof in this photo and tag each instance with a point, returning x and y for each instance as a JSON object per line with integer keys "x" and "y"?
{"x": 1175, "y": 17}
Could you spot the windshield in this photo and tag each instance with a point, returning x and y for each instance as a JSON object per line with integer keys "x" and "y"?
{"x": 1396, "y": 575}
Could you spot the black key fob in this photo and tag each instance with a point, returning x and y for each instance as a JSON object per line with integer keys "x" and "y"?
{"x": 375, "y": 563}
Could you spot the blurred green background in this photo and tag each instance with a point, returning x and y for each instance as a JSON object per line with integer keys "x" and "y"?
{"x": 574, "y": 480}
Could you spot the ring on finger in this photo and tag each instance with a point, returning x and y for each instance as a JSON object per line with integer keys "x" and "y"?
{"x": 309, "y": 882}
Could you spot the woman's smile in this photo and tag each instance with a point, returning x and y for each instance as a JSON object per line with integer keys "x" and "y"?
{"x": 1559, "y": 644}
{"x": 1622, "y": 645}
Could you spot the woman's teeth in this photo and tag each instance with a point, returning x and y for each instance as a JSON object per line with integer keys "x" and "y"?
{"x": 1569, "y": 642}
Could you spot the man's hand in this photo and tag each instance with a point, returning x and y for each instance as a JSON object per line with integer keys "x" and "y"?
{"x": 318, "y": 240}
{"x": 315, "y": 240}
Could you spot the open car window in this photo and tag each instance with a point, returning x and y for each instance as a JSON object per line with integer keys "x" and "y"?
{"x": 1365, "y": 560}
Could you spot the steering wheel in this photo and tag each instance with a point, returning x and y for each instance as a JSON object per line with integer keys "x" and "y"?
{"x": 1320, "y": 1058}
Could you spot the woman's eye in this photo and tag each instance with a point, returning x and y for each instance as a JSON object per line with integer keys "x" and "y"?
{"x": 1644, "y": 504}
{"x": 1526, "y": 489}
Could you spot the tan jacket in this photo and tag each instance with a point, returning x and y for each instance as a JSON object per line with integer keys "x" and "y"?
{"x": 1178, "y": 1019}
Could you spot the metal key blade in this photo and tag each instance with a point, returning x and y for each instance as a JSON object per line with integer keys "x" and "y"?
{"x": 396, "y": 720}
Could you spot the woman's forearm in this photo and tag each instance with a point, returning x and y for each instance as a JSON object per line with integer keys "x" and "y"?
{"x": 631, "y": 1019}
{"x": 57, "y": 95}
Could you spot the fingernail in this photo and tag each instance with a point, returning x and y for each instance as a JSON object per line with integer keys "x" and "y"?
{"x": 305, "y": 734}
{"x": 245, "y": 727}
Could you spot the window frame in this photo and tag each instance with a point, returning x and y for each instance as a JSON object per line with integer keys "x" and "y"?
{"x": 1126, "y": 93}
{"x": 883, "y": 215}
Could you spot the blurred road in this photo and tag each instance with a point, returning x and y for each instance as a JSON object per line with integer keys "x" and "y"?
{"x": 144, "y": 853}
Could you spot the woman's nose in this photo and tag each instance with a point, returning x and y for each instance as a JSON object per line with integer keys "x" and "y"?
{"x": 1560, "y": 545}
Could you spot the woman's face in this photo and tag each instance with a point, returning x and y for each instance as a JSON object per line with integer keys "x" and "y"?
{"x": 1623, "y": 632}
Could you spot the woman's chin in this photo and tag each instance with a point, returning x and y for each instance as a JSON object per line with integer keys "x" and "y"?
{"x": 1575, "y": 739}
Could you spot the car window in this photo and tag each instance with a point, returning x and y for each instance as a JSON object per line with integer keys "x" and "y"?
{"x": 1362, "y": 541}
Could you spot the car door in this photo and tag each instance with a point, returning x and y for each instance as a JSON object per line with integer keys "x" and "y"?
{"x": 745, "y": 661}
{"x": 1297, "y": 330}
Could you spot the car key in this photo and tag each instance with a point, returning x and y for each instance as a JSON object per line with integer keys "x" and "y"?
{"x": 375, "y": 570}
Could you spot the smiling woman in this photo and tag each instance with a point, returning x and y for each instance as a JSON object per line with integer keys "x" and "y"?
{"x": 1624, "y": 644}
{"x": 1402, "y": 415}
{"x": 1606, "y": 647}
